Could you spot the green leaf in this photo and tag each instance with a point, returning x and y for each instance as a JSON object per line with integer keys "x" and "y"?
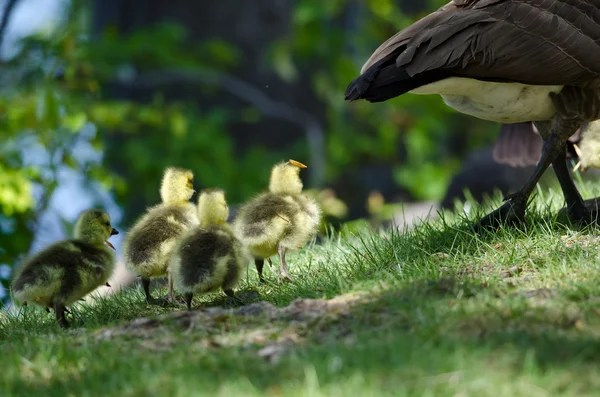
{"x": 75, "y": 121}
{"x": 179, "y": 124}
{"x": 49, "y": 112}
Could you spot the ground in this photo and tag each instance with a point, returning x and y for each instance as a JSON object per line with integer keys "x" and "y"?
{"x": 432, "y": 311}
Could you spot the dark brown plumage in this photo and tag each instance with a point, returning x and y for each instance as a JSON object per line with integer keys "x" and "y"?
{"x": 491, "y": 40}
{"x": 501, "y": 60}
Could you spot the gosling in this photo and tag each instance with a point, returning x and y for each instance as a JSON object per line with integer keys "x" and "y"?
{"x": 279, "y": 220}
{"x": 150, "y": 242}
{"x": 65, "y": 272}
{"x": 209, "y": 256}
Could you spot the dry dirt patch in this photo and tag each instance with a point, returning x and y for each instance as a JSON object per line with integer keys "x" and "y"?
{"x": 261, "y": 326}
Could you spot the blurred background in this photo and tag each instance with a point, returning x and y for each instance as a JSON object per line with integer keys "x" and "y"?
{"x": 98, "y": 96}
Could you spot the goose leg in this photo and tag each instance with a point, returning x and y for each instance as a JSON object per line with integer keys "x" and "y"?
{"x": 59, "y": 310}
{"x": 259, "y": 263}
{"x": 283, "y": 270}
{"x": 576, "y": 209}
{"x": 513, "y": 210}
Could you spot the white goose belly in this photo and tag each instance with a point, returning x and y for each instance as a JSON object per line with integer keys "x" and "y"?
{"x": 500, "y": 102}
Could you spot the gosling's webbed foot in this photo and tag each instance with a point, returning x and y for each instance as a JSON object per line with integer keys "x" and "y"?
{"x": 64, "y": 323}
{"x": 232, "y": 297}
{"x": 157, "y": 301}
{"x": 511, "y": 212}
{"x": 285, "y": 276}
{"x": 172, "y": 298}
{"x": 164, "y": 301}
{"x": 149, "y": 299}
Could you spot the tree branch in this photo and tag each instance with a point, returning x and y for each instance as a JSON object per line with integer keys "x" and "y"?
{"x": 252, "y": 95}
{"x": 8, "y": 9}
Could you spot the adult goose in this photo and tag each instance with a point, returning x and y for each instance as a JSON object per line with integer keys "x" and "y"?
{"x": 509, "y": 61}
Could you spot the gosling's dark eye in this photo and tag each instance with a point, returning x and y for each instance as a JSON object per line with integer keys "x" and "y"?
{"x": 107, "y": 224}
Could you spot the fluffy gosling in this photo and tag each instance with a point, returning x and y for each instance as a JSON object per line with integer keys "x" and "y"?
{"x": 65, "y": 272}
{"x": 278, "y": 220}
{"x": 150, "y": 242}
{"x": 209, "y": 256}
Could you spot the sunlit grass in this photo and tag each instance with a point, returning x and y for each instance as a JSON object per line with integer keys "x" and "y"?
{"x": 442, "y": 312}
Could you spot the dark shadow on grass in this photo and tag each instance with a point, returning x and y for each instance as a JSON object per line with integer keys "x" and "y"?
{"x": 550, "y": 334}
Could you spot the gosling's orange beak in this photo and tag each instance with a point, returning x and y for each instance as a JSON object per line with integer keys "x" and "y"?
{"x": 297, "y": 163}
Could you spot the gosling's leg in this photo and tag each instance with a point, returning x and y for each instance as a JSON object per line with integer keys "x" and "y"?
{"x": 260, "y": 263}
{"x": 59, "y": 310}
{"x": 171, "y": 294}
{"x": 146, "y": 285}
{"x": 283, "y": 269}
{"x": 188, "y": 299}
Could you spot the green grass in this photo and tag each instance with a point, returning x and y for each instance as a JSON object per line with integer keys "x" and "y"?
{"x": 434, "y": 311}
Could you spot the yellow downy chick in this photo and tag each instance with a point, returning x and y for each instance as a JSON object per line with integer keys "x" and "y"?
{"x": 65, "y": 272}
{"x": 150, "y": 242}
{"x": 209, "y": 256}
{"x": 588, "y": 149}
{"x": 279, "y": 220}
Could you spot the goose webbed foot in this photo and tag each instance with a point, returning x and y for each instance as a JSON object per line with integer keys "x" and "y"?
{"x": 512, "y": 212}
{"x": 584, "y": 213}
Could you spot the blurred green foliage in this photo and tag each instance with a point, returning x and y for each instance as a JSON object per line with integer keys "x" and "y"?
{"x": 414, "y": 134}
{"x": 61, "y": 83}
